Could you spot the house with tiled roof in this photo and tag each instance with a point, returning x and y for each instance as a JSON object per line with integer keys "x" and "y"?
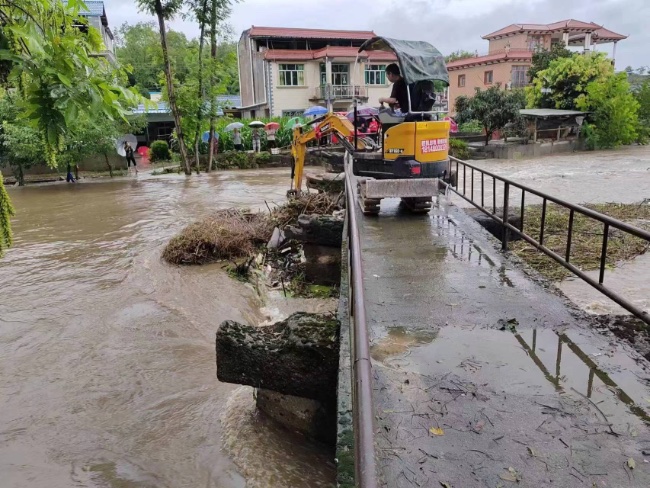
{"x": 511, "y": 51}
{"x": 284, "y": 71}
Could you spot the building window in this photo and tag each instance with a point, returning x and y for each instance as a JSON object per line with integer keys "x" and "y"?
{"x": 292, "y": 75}
{"x": 375, "y": 74}
{"x": 461, "y": 81}
{"x": 487, "y": 77}
{"x": 519, "y": 76}
{"x": 340, "y": 74}
{"x": 535, "y": 43}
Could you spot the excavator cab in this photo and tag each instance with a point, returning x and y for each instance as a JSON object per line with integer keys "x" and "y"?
{"x": 415, "y": 144}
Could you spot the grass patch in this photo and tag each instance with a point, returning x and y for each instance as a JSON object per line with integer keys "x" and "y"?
{"x": 587, "y": 239}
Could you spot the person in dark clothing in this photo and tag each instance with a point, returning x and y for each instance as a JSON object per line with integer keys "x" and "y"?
{"x": 129, "y": 156}
{"x": 399, "y": 94}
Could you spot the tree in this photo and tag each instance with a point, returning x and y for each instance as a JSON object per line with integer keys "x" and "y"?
{"x": 6, "y": 212}
{"x": 200, "y": 10}
{"x": 642, "y": 96}
{"x": 219, "y": 12}
{"x": 588, "y": 83}
{"x": 542, "y": 58}
{"x": 138, "y": 47}
{"x": 567, "y": 80}
{"x": 613, "y": 111}
{"x": 457, "y": 55}
{"x": 494, "y": 108}
{"x": 164, "y": 11}
{"x": 52, "y": 66}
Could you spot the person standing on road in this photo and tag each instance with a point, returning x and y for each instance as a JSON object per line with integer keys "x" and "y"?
{"x": 270, "y": 137}
{"x": 236, "y": 140}
{"x": 257, "y": 142}
{"x": 129, "y": 157}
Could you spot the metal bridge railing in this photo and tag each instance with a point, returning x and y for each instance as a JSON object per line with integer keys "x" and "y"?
{"x": 466, "y": 189}
{"x": 363, "y": 412}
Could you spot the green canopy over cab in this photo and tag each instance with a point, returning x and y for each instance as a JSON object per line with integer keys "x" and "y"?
{"x": 419, "y": 60}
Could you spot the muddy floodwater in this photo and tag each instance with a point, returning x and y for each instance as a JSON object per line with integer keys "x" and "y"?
{"x": 107, "y": 365}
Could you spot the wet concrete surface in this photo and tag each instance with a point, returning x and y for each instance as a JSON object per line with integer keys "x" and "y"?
{"x": 482, "y": 377}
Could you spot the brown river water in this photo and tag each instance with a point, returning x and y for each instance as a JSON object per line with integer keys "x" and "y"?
{"x": 107, "y": 364}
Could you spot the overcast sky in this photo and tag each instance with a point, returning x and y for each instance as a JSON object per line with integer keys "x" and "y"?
{"x": 447, "y": 24}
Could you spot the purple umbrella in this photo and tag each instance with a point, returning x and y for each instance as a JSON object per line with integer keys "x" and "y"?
{"x": 363, "y": 111}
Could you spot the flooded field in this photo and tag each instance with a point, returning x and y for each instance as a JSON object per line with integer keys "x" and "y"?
{"x": 621, "y": 175}
{"x": 107, "y": 354}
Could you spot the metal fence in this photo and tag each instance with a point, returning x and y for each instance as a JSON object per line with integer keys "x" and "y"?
{"x": 469, "y": 190}
{"x": 363, "y": 413}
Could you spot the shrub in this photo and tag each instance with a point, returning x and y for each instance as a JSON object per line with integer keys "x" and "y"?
{"x": 458, "y": 149}
{"x": 159, "y": 151}
{"x": 471, "y": 126}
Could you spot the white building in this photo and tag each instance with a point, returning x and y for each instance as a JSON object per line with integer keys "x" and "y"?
{"x": 95, "y": 14}
{"x": 284, "y": 71}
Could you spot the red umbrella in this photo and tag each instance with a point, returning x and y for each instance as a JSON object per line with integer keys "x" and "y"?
{"x": 272, "y": 126}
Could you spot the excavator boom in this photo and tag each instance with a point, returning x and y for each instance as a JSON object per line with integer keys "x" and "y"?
{"x": 329, "y": 124}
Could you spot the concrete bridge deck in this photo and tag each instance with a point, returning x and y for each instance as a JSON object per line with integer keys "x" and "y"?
{"x": 485, "y": 378}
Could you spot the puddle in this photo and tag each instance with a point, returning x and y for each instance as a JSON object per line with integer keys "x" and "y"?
{"x": 399, "y": 340}
{"x": 530, "y": 362}
{"x": 464, "y": 249}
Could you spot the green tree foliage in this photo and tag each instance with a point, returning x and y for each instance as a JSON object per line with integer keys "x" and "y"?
{"x": 460, "y": 54}
{"x": 53, "y": 67}
{"x": 542, "y": 58}
{"x": 588, "y": 82}
{"x": 6, "y": 212}
{"x": 642, "y": 96}
{"x": 567, "y": 80}
{"x": 138, "y": 48}
{"x": 166, "y": 10}
{"x": 494, "y": 108}
{"x": 50, "y": 64}
{"x": 20, "y": 143}
{"x": 614, "y": 111}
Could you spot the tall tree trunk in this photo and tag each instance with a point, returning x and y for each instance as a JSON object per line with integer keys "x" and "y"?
{"x": 170, "y": 89}
{"x": 108, "y": 163}
{"x": 201, "y": 94}
{"x": 213, "y": 58}
{"x": 20, "y": 175}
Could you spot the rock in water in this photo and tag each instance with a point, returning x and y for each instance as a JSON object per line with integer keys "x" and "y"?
{"x": 298, "y": 356}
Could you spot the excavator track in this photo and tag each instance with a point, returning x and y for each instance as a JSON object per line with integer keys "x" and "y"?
{"x": 369, "y": 206}
{"x": 418, "y": 204}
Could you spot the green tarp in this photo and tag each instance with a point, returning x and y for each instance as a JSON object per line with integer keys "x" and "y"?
{"x": 419, "y": 60}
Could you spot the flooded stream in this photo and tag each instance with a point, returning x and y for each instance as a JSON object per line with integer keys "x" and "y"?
{"x": 107, "y": 354}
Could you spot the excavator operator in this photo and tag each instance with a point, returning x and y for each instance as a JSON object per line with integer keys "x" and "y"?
{"x": 399, "y": 94}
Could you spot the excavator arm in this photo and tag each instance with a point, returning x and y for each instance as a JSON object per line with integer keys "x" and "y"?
{"x": 329, "y": 124}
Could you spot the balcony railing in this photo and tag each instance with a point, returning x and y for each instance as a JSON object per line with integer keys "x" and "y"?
{"x": 335, "y": 92}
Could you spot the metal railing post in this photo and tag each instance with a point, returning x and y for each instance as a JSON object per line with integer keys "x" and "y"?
{"x": 506, "y": 203}
{"x": 607, "y": 221}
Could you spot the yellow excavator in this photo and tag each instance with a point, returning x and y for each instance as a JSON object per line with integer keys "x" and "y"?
{"x": 411, "y": 154}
